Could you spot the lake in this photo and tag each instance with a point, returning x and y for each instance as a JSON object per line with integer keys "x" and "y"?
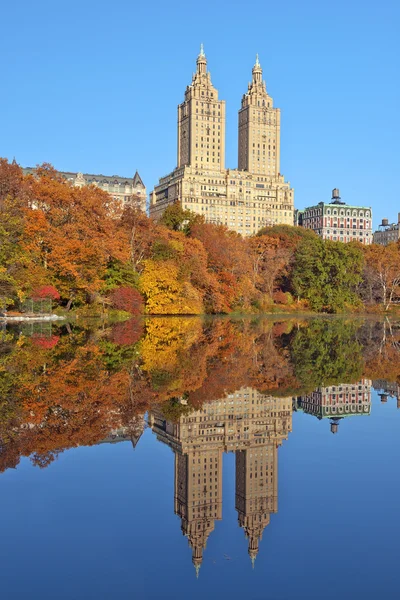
{"x": 194, "y": 458}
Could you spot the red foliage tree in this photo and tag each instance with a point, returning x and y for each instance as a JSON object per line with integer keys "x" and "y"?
{"x": 128, "y": 299}
{"x": 45, "y": 291}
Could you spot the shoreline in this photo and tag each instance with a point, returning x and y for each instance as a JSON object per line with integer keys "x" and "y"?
{"x": 17, "y": 319}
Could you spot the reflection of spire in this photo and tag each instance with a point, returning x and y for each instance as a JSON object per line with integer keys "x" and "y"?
{"x": 197, "y": 558}
{"x": 253, "y": 560}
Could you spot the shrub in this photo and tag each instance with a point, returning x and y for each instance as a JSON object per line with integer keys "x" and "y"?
{"x": 280, "y": 297}
{"x": 128, "y": 299}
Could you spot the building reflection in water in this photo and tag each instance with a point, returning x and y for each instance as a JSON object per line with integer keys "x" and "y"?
{"x": 387, "y": 389}
{"x": 336, "y": 402}
{"x": 252, "y": 425}
{"x": 128, "y": 433}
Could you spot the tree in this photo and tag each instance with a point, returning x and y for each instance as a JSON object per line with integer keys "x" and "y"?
{"x": 165, "y": 293}
{"x": 71, "y": 234}
{"x": 178, "y": 219}
{"x": 270, "y": 259}
{"x": 229, "y": 261}
{"x": 45, "y": 291}
{"x": 327, "y": 274}
{"x": 128, "y": 299}
{"x": 382, "y": 273}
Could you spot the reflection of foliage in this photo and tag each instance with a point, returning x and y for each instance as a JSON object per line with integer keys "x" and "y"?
{"x": 127, "y": 333}
{"x": 44, "y": 341}
{"x": 91, "y": 382}
{"x": 326, "y": 353}
{"x": 175, "y": 408}
{"x": 115, "y": 356}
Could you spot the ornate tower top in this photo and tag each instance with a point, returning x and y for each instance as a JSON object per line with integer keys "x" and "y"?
{"x": 201, "y": 62}
{"x": 257, "y": 72}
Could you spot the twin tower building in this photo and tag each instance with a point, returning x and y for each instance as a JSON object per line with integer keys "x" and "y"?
{"x": 245, "y": 199}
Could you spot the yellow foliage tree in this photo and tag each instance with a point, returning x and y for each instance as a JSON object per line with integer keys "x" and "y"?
{"x": 165, "y": 293}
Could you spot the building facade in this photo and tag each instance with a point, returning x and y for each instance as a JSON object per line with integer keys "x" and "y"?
{"x": 388, "y": 233}
{"x": 337, "y": 220}
{"x": 251, "y": 424}
{"x": 128, "y": 190}
{"x": 245, "y": 199}
{"x": 335, "y": 402}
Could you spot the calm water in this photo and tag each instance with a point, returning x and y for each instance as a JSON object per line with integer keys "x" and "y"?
{"x": 201, "y": 459}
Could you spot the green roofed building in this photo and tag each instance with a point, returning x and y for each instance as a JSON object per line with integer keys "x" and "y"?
{"x": 337, "y": 220}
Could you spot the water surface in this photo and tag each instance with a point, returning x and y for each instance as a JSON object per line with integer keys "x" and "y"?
{"x": 189, "y": 458}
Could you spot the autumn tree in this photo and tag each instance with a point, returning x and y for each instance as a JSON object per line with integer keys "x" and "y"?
{"x": 71, "y": 233}
{"x": 382, "y": 273}
{"x": 228, "y": 260}
{"x": 270, "y": 259}
{"x": 127, "y": 299}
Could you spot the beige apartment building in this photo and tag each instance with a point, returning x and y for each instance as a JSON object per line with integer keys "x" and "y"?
{"x": 245, "y": 199}
{"x": 251, "y": 424}
{"x": 128, "y": 190}
{"x": 388, "y": 233}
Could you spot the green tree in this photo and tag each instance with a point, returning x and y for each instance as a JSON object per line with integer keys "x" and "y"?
{"x": 179, "y": 219}
{"x": 327, "y": 274}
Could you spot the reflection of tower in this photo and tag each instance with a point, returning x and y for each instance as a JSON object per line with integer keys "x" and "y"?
{"x": 335, "y": 424}
{"x": 246, "y": 422}
{"x": 256, "y": 491}
{"x": 198, "y": 497}
{"x": 257, "y": 466}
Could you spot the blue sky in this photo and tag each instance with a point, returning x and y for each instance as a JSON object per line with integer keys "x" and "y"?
{"x": 94, "y": 86}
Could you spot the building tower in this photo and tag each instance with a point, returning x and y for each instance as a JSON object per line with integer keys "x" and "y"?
{"x": 201, "y": 123}
{"x": 259, "y": 129}
{"x": 246, "y": 199}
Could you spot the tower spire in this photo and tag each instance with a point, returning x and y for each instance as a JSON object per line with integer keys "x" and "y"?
{"x": 257, "y": 61}
{"x": 201, "y": 61}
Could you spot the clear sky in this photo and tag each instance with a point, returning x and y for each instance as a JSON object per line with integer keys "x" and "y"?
{"x": 94, "y": 86}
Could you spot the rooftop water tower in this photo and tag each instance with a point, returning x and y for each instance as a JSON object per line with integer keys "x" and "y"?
{"x": 336, "y": 197}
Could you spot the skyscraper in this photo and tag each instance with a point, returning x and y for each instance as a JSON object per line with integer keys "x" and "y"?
{"x": 245, "y": 199}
